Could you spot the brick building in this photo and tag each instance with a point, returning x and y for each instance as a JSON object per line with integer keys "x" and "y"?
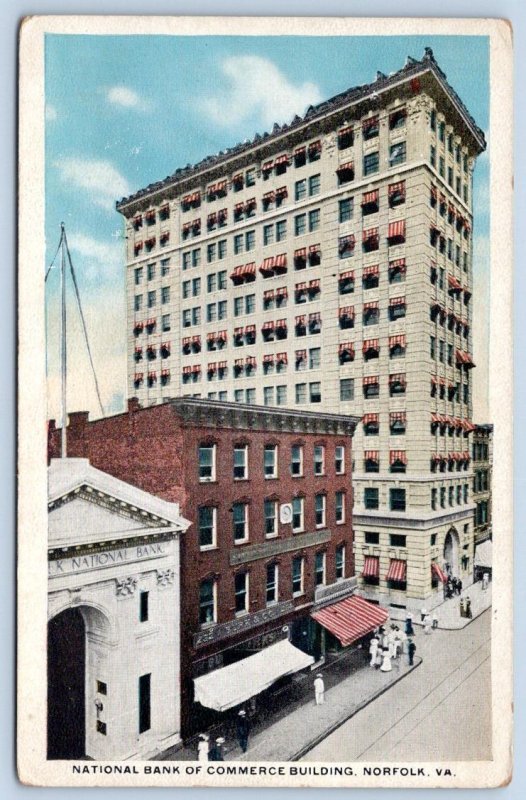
{"x": 482, "y": 456}
{"x": 269, "y": 495}
{"x": 328, "y": 265}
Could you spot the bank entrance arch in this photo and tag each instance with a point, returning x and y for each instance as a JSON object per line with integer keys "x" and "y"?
{"x": 451, "y": 553}
{"x": 69, "y": 633}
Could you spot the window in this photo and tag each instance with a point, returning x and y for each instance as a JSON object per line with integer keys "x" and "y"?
{"x": 268, "y": 395}
{"x": 340, "y": 562}
{"x": 250, "y": 240}
{"x": 221, "y": 249}
{"x": 345, "y": 209}
{"x": 314, "y": 185}
{"x": 138, "y": 275}
{"x": 397, "y": 540}
{"x": 207, "y": 602}
{"x": 372, "y": 538}
{"x": 433, "y": 156}
{"x": 319, "y": 569}
{"x": 339, "y": 459}
{"x": 433, "y": 539}
{"x": 397, "y": 154}
{"x": 143, "y": 606}
{"x": 240, "y": 462}
{"x": 442, "y": 131}
{"x": 241, "y": 592}
{"x": 314, "y": 358}
{"x": 207, "y": 527}
{"x": 272, "y": 584}
{"x": 433, "y": 120}
{"x": 340, "y": 508}
{"x": 240, "y": 519}
{"x": 211, "y": 282}
{"x": 250, "y": 177}
{"x": 314, "y": 220}
{"x": 297, "y": 576}
{"x": 397, "y": 119}
{"x": 281, "y": 230}
{"x": 397, "y": 499}
{"x": 238, "y": 243}
{"x": 165, "y": 323}
{"x": 137, "y": 302}
{"x": 270, "y": 508}
{"x": 370, "y": 497}
{"x": 271, "y": 461}
{"x": 297, "y": 513}
{"x": 296, "y": 460}
{"x": 211, "y": 252}
{"x": 346, "y": 389}
{"x": 268, "y": 234}
{"x": 300, "y": 189}
{"x": 441, "y": 166}
{"x": 319, "y": 459}
{"x": 300, "y": 224}
{"x": 165, "y": 294}
{"x": 301, "y": 393}
{"x": 281, "y": 395}
{"x": 207, "y": 462}
{"x": 145, "y": 682}
{"x": 315, "y": 392}
{"x": 151, "y": 299}
{"x": 370, "y": 163}
{"x": 151, "y": 271}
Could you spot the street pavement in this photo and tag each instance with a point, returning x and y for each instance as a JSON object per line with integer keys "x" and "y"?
{"x": 439, "y": 712}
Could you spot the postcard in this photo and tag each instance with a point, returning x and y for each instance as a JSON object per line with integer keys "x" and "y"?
{"x": 265, "y": 402}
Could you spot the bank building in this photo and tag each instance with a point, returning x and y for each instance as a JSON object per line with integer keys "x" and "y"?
{"x": 328, "y": 264}
{"x": 113, "y": 607}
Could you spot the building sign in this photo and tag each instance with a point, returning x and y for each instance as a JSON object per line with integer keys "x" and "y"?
{"x": 105, "y": 559}
{"x": 273, "y": 548}
{"x": 225, "y": 629}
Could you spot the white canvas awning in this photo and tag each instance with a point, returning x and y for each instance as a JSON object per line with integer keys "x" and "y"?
{"x": 229, "y": 686}
{"x": 484, "y": 554}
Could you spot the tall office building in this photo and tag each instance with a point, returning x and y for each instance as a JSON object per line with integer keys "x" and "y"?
{"x": 328, "y": 264}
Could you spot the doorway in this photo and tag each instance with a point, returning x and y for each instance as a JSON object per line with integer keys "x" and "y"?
{"x": 66, "y": 667}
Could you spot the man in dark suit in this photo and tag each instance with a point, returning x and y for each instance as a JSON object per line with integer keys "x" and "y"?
{"x": 243, "y": 729}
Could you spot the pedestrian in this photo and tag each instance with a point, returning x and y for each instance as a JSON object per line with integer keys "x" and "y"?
{"x": 391, "y": 642}
{"x": 243, "y": 729}
{"x": 397, "y": 643}
{"x": 459, "y": 587}
{"x": 462, "y": 607}
{"x": 403, "y": 641}
{"x": 409, "y": 625}
{"x": 319, "y": 689}
{"x": 485, "y": 581}
{"x": 427, "y": 624}
{"x": 469, "y": 612}
{"x": 423, "y": 613}
{"x": 411, "y": 650}
{"x": 386, "y": 661}
{"x": 203, "y": 747}
{"x": 216, "y": 753}
{"x": 435, "y": 620}
{"x": 379, "y": 658}
{"x": 454, "y": 582}
{"x": 373, "y": 647}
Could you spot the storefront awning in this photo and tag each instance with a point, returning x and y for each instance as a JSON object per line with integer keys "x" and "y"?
{"x": 229, "y": 686}
{"x": 350, "y": 619}
{"x": 435, "y": 570}
{"x": 484, "y": 554}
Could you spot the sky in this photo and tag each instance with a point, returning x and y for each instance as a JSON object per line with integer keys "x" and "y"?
{"x": 123, "y": 111}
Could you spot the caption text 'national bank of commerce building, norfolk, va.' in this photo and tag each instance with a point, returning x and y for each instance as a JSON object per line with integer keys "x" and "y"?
{"x": 328, "y": 265}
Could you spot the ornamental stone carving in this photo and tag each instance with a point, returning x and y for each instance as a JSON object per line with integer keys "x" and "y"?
{"x": 125, "y": 587}
{"x": 165, "y": 577}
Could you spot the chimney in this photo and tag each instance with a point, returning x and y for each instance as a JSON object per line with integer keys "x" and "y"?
{"x": 133, "y": 404}
{"x": 78, "y": 419}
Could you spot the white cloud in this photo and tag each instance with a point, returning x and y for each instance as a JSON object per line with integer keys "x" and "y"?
{"x": 124, "y": 97}
{"x": 101, "y": 261}
{"x": 51, "y": 113}
{"x": 258, "y": 92}
{"x": 102, "y": 182}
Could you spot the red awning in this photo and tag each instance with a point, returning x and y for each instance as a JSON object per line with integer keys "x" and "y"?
{"x": 348, "y": 275}
{"x": 351, "y": 619}
{"x": 397, "y": 188}
{"x": 397, "y": 456}
{"x": 454, "y": 284}
{"x": 438, "y": 572}
{"x": 284, "y": 159}
{"x": 396, "y": 229}
{"x": 347, "y": 167}
{"x": 371, "y": 567}
{"x": 370, "y": 197}
{"x": 397, "y": 570}
{"x": 373, "y": 269}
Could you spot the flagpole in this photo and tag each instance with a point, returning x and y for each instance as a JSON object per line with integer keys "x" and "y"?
{"x": 63, "y": 333}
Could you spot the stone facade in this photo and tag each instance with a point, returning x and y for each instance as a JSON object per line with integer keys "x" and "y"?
{"x": 482, "y": 455}
{"x": 113, "y": 565}
{"x": 329, "y": 265}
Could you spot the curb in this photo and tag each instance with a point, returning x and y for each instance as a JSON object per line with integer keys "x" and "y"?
{"x": 327, "y": 732}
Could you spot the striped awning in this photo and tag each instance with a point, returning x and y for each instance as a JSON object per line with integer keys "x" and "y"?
{"x": 396, "y": 229}
{"x": 351, "y": 619}
{"x": 397, "y": 570}
{"x": 435, "y": 569}
{"x": 371, "y": 567}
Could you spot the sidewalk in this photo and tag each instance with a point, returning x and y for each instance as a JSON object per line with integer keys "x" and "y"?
{"x": 289, "y": 723}
{"x": 448, "y": 612}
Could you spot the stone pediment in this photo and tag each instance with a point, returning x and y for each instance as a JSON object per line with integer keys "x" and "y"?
{"x": 84, "y": 517}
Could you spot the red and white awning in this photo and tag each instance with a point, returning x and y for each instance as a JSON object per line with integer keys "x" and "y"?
{"x": 351, "y": 619}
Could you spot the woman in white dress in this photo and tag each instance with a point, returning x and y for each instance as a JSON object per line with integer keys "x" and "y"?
{"x": 202, "y": 747}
